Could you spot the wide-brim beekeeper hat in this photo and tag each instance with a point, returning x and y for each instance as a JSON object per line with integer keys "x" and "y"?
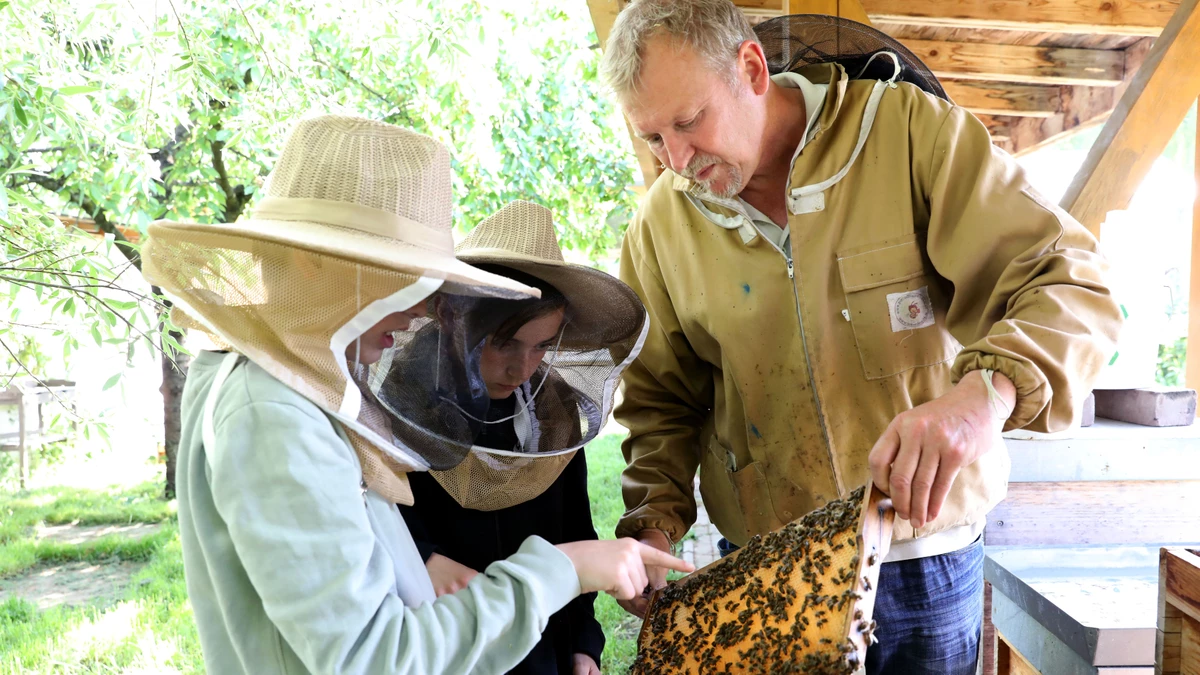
{"x": 354, "y": 225}
{"x": 431, "y": 381}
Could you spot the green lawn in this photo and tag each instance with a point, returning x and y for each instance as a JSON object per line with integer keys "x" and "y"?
{"x": 150, "y": 629}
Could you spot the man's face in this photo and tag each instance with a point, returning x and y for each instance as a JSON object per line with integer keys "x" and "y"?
{"x": 695, "y": 121}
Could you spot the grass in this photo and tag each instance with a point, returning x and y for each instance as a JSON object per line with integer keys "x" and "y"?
{"x": 151, "y": 629}
{"x": 605, "y": 464}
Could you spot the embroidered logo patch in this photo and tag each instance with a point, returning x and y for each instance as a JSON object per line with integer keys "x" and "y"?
{"x": 910, "y": 310}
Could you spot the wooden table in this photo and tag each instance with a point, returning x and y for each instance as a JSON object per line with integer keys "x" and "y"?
{"x": 32, "y": 395}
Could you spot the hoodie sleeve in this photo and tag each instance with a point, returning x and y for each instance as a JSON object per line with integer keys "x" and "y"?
{"x": 1029, "y": 295}
{"x": 287, "y": 486}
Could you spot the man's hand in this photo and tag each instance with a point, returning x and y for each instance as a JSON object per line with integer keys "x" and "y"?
{"x": 582, "y": 664}
{"x": 447, "y": 576}
{"x": 919, "y": 455}
{"x": 657, "y": 575}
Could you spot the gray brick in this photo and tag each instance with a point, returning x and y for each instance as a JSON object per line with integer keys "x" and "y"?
{"x": 1151, "y": 407}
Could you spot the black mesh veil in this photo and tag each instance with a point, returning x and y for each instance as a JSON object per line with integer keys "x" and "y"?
{"x": 799, "y": 40}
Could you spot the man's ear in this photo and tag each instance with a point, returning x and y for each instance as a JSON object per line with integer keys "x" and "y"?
{"x": 752, "y": 67}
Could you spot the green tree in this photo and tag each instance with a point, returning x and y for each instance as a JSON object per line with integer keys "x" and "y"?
{"x": 129, "y": 112}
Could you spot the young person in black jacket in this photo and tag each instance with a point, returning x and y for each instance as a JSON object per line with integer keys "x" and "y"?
{"x": 524, "y": 474}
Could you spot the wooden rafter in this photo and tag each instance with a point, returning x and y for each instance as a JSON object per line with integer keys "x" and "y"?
{"x": 996, "y": 126}
{"x": 768, "y": 8}
{"x": 1015, "y": 63}
{"x": 1142, "y": 123}
{"x": 1080, "y": 108}
{"x": 991, "y": 98}
{"x": 1113, "y": 17}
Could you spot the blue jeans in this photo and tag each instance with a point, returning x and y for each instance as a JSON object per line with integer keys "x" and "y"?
{"x": 929, "y": 612}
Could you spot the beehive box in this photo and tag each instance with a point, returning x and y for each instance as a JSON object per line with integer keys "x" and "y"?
{"x": 797, "y": 600}
{"x": 1178, "y": 643}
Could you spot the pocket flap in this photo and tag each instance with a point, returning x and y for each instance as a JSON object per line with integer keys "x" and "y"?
{"x": 880, "y": 264}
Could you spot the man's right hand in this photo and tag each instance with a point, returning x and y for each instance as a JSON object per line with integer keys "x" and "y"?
{"x": 656, "y": 575}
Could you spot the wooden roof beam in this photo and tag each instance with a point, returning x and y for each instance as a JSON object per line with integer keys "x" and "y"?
{"x": 997, "y": 127}
{"x": 1017, "y": 63}
{"x": 1080, "y": 108}
{"x": 765, "y": 9}
{"x": 1019, "y": 100}
{"x": 1110, "y": 17}
{"x": 1145, "y": 119}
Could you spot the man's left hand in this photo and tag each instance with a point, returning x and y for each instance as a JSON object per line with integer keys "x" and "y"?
{"x": 584, "y": 665}
{"x": 919, "y": 455}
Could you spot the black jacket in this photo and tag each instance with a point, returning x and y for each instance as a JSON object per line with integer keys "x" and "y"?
{"x": 478, "y": 538}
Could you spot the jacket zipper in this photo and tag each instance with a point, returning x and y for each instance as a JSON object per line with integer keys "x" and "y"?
{"x": 812, "y": 381}
{"x": 735, "y": 207}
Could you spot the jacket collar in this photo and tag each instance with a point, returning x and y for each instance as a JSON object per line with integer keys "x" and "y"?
{"x": 824, "y": 73}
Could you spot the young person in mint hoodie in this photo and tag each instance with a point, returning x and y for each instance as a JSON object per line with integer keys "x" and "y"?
{"x": 295, "y": 557}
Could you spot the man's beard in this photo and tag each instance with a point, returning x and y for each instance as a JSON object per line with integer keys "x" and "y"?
{"x": 733, "y": 185}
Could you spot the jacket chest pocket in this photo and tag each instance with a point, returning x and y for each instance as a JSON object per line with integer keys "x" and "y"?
{"x": 897, "y": 310}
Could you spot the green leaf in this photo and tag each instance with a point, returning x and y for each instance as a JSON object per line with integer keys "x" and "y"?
{"x": 20, "y": 112}
{"x": 79, "y": 89}
{"x": 122, "y": 304}
{"x": 112, "y": 381}
{"x": 87, "y": 21}
{"x": 96, "y": 335}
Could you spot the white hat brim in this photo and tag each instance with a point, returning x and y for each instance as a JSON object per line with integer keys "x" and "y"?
{"x": 358, "y": 246}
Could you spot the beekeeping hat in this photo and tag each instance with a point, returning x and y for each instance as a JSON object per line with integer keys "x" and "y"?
{"x": 432, "y": 382}
{"x": 354, "y": 225}
{"x": 798, "y": 40}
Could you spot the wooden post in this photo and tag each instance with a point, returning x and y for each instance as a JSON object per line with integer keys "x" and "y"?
{"x": 1192, "y": 371}
{"x": 22, "y": 430}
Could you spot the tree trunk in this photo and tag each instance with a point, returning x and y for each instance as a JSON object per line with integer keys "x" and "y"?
{"x": 174, "y": 375}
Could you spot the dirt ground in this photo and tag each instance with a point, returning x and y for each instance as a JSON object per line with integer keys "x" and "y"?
{"x": 77, "y": 583}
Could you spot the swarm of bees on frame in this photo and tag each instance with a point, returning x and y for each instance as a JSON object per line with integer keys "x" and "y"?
{"x": 784, "y": 603}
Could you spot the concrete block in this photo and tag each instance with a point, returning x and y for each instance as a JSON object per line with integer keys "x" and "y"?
{"x": 1151, "y": 407}
{"x": 1089, "y": 411}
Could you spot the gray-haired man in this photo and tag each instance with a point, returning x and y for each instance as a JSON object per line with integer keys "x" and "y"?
{"x": 845, "y": 283}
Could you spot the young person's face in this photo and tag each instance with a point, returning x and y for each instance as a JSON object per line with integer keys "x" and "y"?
{"x": 508, "y": 365}
{"x": 379, "y": 337}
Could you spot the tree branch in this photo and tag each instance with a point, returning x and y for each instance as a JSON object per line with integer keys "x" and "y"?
{"x": 235, "y": 197}
{"x": 97, "y": 214}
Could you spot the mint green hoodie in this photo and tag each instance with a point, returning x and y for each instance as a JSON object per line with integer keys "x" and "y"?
{"x": 293, "y": 568}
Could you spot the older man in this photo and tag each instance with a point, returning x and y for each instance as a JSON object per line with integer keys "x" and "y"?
{"x": 846, "y": 282}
